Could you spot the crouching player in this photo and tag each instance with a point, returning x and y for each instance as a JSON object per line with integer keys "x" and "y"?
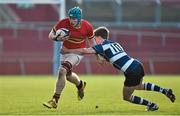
{"x": 132, "y": 68}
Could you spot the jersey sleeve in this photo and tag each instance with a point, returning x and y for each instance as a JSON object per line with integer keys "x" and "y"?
{"x": 90, "y": 32}
{"x": 98, "y": 48}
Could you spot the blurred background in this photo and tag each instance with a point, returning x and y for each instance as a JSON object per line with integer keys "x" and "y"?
{"x": 149, "y": 30}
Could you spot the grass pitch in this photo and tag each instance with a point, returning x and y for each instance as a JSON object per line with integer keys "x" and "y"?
{"x": 24, "y": 95}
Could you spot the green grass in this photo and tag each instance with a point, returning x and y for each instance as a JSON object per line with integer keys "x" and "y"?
{"x": 23, "y": 95}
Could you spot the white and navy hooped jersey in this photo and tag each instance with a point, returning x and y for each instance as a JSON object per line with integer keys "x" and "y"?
{"x": 114, "y": 53}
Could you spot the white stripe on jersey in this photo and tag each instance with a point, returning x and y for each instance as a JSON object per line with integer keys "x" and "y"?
{"x": 106, "y": 46}
{"x": 127, "y": 64}
{"x": 152, "y": 87}
{"x": 141, "y": 101}
{"x": 116, "y": 57}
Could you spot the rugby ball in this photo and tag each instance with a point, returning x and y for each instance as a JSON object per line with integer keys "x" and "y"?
{"x": 62, "y": 33}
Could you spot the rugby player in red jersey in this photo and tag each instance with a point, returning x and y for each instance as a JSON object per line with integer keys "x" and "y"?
{"x": 80, "y": 31}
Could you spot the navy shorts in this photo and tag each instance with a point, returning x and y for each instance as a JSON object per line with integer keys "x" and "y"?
{"x": 134, "y": 74}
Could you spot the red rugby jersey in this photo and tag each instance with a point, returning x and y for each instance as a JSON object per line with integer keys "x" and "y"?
{"x": 78, "y": 36}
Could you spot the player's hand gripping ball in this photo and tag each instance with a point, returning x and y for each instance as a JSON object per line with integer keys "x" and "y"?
{"x": 62, "y": 34}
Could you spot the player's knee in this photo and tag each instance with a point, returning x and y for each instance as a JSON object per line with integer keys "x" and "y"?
{"x": 66, "y": 67}
{"x": 62, "y": 71}
{"x": 126, "y": 97}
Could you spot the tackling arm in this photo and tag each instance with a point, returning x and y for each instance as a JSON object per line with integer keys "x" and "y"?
{"x": 100, "y": 59}
{"x": 78, "y": 51}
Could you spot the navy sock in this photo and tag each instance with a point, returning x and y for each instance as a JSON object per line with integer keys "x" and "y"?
{"x": 153, "y": 87}
{"x": 80, "y": 85}
{"x": 141, "y": 101}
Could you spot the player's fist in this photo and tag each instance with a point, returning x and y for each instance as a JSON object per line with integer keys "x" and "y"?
{"x": 100, "y": 59}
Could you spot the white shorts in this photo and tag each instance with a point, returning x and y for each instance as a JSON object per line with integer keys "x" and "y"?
{"x": 74, "y": 59}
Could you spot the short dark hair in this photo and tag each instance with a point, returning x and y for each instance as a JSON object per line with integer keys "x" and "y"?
{"x": 102, "y": 31}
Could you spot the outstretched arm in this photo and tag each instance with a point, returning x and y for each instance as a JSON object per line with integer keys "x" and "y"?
{"x": 84, "y": 51}
{"x": 78, "y": 51}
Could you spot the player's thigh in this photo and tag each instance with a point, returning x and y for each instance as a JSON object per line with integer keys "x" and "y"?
{"x": 135, "y": 77}
{"x": 74, "y": 59}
